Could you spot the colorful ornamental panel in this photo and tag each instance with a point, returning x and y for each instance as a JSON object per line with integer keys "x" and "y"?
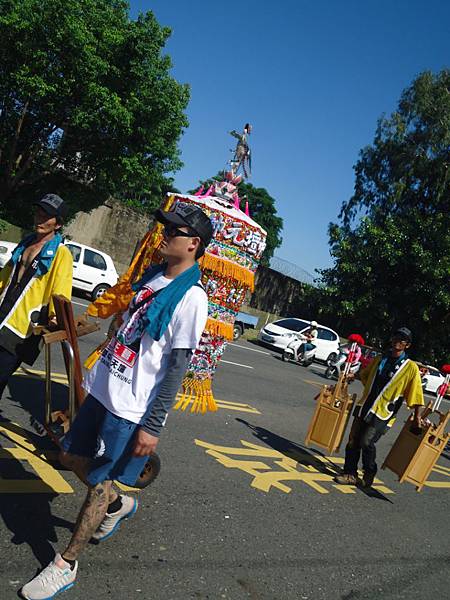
{"x": 228, "y": 269}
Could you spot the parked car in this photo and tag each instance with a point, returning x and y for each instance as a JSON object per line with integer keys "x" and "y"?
{"x": 432, "y": 379}
{"x": 93, "y": 271}
{"x": 6, "y": 249}
{"x": 243, "y": 321}
{"x": 279, "y": 333}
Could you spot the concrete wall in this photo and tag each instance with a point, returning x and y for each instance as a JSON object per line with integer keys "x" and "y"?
{"x": 10, "y": 233}
{"x": 278, "y": 294}
{"x": 113, "y": 228}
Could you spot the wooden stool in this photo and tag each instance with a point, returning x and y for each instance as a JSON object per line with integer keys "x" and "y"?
{"x": 413, "y": 456}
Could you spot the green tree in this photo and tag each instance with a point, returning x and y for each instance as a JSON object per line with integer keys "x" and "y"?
{"x": 262, "y": 210}
{"x": 392, "y": 248}
{"x": 87, "y": 106}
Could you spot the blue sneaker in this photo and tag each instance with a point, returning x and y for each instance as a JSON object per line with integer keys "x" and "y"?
{"x": 111, "y": 522}
{"x": 51, "y": 581}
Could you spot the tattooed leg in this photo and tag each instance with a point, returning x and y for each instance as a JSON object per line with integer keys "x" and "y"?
{"x": 80, "y": 466}
{"x": 91, "y": 515}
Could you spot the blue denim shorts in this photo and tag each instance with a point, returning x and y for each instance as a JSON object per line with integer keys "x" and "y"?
{"x": 109, "y": 440}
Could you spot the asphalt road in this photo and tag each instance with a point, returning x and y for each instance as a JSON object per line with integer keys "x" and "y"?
{"x": 241, "y": 509}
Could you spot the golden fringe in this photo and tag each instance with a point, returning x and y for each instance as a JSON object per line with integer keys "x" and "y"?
{"x": 215, "y": 327}
{"x": 117, "y": 298}
{"x": 229, "y": 269}
{"x": 114, "y": 300}
{"x": 198, "y": 392}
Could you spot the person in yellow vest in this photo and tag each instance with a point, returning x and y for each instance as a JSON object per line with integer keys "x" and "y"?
{"x": 40, "y": 267}
{"x": 388, "y": 380}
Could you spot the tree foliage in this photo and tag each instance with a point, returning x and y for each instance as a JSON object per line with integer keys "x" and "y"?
{"x": 87, "y": 106}
{"x": 262, "y": 209}
{"x": 392, "y": 248}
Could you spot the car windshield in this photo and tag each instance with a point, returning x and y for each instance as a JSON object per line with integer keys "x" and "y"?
{"x": 292, "y": 324}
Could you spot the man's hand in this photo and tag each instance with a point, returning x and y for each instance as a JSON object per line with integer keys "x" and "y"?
{"x": 145, "y": 443}
{"x": 417, "y": 421}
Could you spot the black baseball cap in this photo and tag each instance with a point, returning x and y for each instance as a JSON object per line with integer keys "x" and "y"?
{"x": 188, "y": 215}
{"x": 53, "y": 205}
{"x": 404, "y": 333}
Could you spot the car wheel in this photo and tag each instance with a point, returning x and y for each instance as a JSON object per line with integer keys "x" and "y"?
{"x": 331, "y": 358}
{"x": 99, "y": 290}
{"x": 237, "y": 331}
{"x": 150, "y": 472}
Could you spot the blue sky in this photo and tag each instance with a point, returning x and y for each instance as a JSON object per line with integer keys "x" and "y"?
{"x": 312, "y": 77}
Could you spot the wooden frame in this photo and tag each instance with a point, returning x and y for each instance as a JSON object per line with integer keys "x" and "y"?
{"x": 66, "y": 331}
{"x": 413, "y": 455}
{"x": 332, "y": 414}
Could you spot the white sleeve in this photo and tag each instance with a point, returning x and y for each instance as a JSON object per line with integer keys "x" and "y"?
{"x": 190, "y": 320}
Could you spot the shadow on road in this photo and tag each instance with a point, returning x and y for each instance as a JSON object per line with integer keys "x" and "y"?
{"x": 27, "y": 515}
{"x": 29, "y": 393}
{"x": 304, "y": 456}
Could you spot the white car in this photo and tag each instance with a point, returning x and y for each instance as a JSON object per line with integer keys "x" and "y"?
{"x": 279, "y": 333}
{"x": 6, "y": 249}
{"x": 93, "y": 271}
{"x": 432, "y": 380}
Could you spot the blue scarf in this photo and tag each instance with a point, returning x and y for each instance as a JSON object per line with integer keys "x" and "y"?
{"x": 163, "y": 305}
{"x": 46, "y": 255}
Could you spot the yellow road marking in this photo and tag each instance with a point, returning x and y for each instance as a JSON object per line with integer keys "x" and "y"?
{"x": 265, "y": 476}
{"x": 383, "y": 489}
{"x": 36, "y": 374}
{"x": 442, "y": 470}
{"x": 438, "y": 484}
{"x": 62, "y": 378}
{"x": 317, "y": 383}
{"x": 239, "y": 406}
{"x": 345, "y": 489}
{"x": 49, "y": 478}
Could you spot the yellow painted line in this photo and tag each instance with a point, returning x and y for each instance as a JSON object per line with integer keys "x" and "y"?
{"x": 283, "y": 469}
{"x": 62, "y": 378}
{"x": 383, "y": 489}
{"x": 441, "y": 469}
{"x": 36, "y": 374}
{"x": 247, "y": 409}
{"x": 317, "y": 383}
{"x": 225, "y": 404}
{"x": 49, "y": 478}
{"x": 232, "y": 403}
{"x": 345, "y": 489}
{"x": 27, "y": 486}
{"x": 438, "y": 484}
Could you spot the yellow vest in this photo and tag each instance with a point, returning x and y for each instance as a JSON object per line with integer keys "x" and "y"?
{"x": 406, "y": 383}
{"x": 38, "y": 292}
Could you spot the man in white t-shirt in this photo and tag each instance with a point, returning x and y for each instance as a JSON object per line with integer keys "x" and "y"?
{"x": 131, "y": 389}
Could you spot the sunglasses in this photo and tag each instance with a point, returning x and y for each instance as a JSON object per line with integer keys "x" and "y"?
{"x": 172, "y": 231}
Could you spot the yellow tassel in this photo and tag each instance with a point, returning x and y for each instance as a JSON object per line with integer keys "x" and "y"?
{"x": 215, "y": 327}
{"x": 197, "y": 392}
{"x": 95, "y": 355}
{"x": 228, "y": 268}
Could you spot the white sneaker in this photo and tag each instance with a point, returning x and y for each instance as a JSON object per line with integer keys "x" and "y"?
{"x": 51, "y": 581}
{"x": 111, "y": 522}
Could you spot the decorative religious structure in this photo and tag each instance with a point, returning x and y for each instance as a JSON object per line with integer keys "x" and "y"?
{"x": 228, "y": 268}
